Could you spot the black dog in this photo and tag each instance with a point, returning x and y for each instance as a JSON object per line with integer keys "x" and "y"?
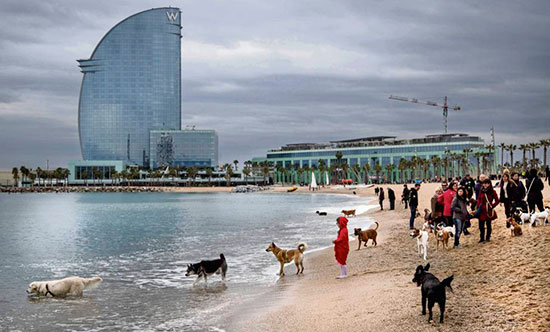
{"x": 321, "y": 213}
{"x": 206, "y": 268}
{"x": 432, "y": 290}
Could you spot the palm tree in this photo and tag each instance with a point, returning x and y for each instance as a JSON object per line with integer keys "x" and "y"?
{"x": 402, "y": 167}
{"x": 356, "y": 170}
{"x": 124, "y": 174}
{"x": 209, "y": 173}
{"x": 84, "y": 175}
{"x": 15, "y": 174}
{"x": 97, "y": 174}
{"x": 533, "y": 147}
{"x": 265, "y": 171}
{"x": 366, "y": 169}
{"x": 236, "y": 162}
{"x": 389, "y": 171}
{"x": 300, "y": 172}
{"x": 545, "y": 143}
{"x": 511, "y": 149}
{"x": 502, "y": 147}
{"x": 246, "y": 172}
{"x": 524, "y": 148}
{"x": 377, "y": 169}
{"x": 192, "y": 174}
{"x": 228, "y": 174}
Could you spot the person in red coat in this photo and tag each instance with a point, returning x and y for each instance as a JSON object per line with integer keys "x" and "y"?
{"x": 487, "y": 200}
{"x": 446, "y": 199}
{"x": 341, "y": 246}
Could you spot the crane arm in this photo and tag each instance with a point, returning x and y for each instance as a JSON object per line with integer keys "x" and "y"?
{"x": 429, "y": 103}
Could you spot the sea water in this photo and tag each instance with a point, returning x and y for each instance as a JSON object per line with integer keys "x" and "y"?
{"x": 140, "y": 244}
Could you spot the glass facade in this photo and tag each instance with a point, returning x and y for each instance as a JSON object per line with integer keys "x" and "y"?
{"x": 183, "y": 148}
{"x": 131, "y": 85}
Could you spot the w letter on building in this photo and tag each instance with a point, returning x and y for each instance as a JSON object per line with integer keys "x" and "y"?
{"x": 172, "y": 16}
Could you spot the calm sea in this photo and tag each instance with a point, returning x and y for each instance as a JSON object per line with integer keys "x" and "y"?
{"x": 140, "y": 243}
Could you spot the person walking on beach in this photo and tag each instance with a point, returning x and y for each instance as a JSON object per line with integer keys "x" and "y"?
{"x": 534, "y": 191}
{"x": 459, "y": 207}
{"x": 413, "y": 203}
{"x": 468, "y": 183}
{"x": 381, "y": 198}
{"x": 405, "y": 196}
{"x": 547, "y": 174}
{"x": 446, "y": 199}
{"x": 516, "y": 193}
{"x": 487, "y": 201}
{"x": 391, "y": 198}
{"x": 504, "y": 196}
{"x": 477, "y": 187}
{"x": 341, "y": 246}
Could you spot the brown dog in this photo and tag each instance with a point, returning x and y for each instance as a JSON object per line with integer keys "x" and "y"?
{"x": 285, "y": 256}
{"x": 348, "y": 212}
{"x": 364, "y": 236}
{"x": 443, "y": 237}
{"x": 516, "y": 229}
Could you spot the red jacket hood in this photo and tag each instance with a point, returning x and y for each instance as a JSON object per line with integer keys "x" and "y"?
{"x": 342, "y": 222}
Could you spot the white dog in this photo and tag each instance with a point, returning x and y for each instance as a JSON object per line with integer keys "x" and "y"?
{"x": 523, "y": 217}
{"x": 63, "y": 287}
{"x": 540, "y": 216}
{"x": 448, "y": 229}
{"x": 421, "y": 241}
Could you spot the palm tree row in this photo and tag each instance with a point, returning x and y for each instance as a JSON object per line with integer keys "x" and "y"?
{"x": 30, "y": 176}
{"x": 527, "y": 161}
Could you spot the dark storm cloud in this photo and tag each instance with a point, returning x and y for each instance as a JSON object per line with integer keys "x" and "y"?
{"x": 264, "y": 74}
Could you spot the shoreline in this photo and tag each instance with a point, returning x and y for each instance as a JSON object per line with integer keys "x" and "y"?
{"x": 491, "y": 291}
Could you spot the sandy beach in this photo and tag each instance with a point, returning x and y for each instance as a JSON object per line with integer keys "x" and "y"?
{"x": 498, "y": 286}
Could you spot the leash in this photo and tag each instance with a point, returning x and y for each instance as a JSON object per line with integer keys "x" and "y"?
{"x": 49, "y": 291}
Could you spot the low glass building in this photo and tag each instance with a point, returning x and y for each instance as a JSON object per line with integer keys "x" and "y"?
{"x": 131, "y": 85}
{"x": 86, "y": 170}
{"x": 190, "y": 147}
{"x": 381, "y": 150}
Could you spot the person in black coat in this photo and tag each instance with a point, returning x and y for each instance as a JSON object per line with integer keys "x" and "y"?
{"x": 534, "y": 191}
{"x": 469, "y": 184}
{"x": 391, "y": 197}
{"x": 405, "y": 196}
{"x": 381, "y": 198}
{"x": 547, "y": 174}
{"x": 413, "y": 203}
{"x": 516, "y": 193}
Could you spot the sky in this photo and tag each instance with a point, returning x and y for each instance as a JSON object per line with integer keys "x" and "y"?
{"x": 268, "y": 73}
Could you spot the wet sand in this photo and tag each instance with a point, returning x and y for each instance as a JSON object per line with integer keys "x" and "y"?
{"x": 499, "y": 286}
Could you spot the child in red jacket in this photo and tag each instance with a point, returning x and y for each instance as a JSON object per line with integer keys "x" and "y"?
{"x": 341, "y": 246}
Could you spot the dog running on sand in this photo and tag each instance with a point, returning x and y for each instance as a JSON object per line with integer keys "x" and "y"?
{"x": 432, "y": 290}
{"x": 285, "y": 256}
{"x": 348, "y": 213}
{"x": 364, "y": 236}
{"x": 63, "y": 287}
{"x": 421, "y": 241}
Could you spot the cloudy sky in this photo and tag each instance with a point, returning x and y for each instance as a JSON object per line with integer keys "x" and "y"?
{"x": 268, "y": 73}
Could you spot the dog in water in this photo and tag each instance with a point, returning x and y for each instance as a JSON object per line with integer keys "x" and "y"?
{"x": 364, "y": 236}
{"x": 432, "y": 290}
{"x": 516, "y": 229}
{"x": 421, "y": 241}
{"x": 203, "y": 269}
{"x": 285, "y": 256}
{"x": 348, "y": 213}
{"x": 63, "y": 287}
{"x": 321, "y": 213}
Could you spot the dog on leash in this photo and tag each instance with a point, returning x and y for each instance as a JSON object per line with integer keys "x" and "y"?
{"x": 516, "y": 229}
{"x": 63, "y": 287}
{"x": 321, "y": 213}
{"x": 203, "y": 269}
{"x": 364, "y": 236}
{"x": 432, "y": 290}
{"x": 443, "y": 237}
{"x": 348, "y": 213}
{"x": 285, "y": 256}
{"x": 421, "y": 241}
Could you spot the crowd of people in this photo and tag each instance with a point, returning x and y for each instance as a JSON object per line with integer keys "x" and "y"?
{"x": 456, "y": 202}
